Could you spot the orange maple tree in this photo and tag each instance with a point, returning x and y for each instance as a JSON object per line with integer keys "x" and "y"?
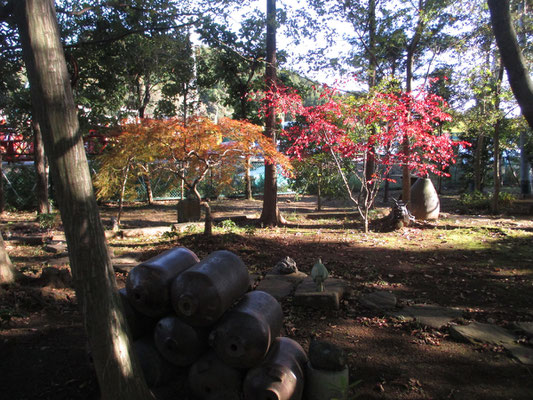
{"x": 189, "y": 151}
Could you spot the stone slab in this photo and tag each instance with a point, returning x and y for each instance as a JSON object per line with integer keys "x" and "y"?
{"x": 430, "y": 315}
{"x": 380, "y": 300}
{"x": 30, "y": 240}
{"x": 477, "y": 332}
{"x": 334, "y": 290}
{"x": 124, "y": 264}
{"x": 523, "y": 354}
{"x": 276, "y": 286}
{"x": 295, "y": 277}
{"x": 56, "y": 248}
{"x": 55, "y": 262}
{"x": 525, "y": 327}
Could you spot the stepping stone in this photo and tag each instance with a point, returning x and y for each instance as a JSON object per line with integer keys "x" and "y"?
{"x": 32, "y": 240}
{"x": 56, "y": 248}
{"x": 477, "y": 332}
{"x": 280, "y": 286}
{"x": 525, "y": 327}
{"x": 380, "y": 300}
{"x": 523, "y": 354}
{"x": 334, "y": 290}
{"x": 429, "y": 315}
{"x": 149, "y": 231}
{"x": 124, "y": 264}
{"x": 54, "y": 262}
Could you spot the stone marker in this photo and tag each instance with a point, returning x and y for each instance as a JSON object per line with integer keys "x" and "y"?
{"x": 326, "y": 385}
{"x": 430, "y": 315}
{"x": 380, "y": 300}
{"x": 319, "y": 273}
{"x": 334, "y": 290}
{"x": 477, "y": 332}
{"x": 424, "y": 202}
{"x": 326, "y": 372}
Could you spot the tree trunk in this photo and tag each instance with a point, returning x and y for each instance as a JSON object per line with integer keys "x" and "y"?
{"x": 122, "y": 192}
{"x": 386, "y": 188}
{"x": 7, "y": 271}
{"x": 525, "y": 184}
{"x": 118, "y": 371}
{"x": 248, "y": 181}
{"x": 411, "y": 50}
{"x": 496, "y": 140}
{"x": 512, "y": 57}
{"x": 270, "y": 215}
{"x": 149, "y": 192}
{"x": 478, "y": 163}
{"x": 2, "y": 197}
{"x": 319, "y": 189}
{"x": 39, "y": 158}
{"x": 208, "y": 226}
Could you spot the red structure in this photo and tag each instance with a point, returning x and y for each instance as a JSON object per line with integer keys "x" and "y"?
{"x": 15, "y": 148}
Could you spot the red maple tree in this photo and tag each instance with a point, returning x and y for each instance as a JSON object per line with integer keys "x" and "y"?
{"x": 369, "y": 132}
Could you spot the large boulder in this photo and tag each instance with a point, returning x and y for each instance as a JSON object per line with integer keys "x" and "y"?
{"x": 424, "y": 202}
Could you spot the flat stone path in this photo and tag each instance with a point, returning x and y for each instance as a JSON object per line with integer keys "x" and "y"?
{"x": 430, "y": 315}
{"x": 380, "y": 301}
{"x": 477, "y": 332}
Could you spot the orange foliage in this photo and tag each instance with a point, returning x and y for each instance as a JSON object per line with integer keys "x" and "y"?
{"x": 191, "y": 150}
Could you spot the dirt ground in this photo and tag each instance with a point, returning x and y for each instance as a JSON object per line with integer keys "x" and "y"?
{"x": 480, "y": 263}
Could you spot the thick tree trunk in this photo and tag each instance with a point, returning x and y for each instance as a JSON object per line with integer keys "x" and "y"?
{"x": 118, "y": 371}
{"x": 512, "y": 58}
{"x": 270, "y": 215}
{"x": 7, "y": 271}
{"x": 39, "y": 159}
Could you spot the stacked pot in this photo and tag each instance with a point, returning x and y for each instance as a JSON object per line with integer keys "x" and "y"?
{"x": 197, "y": 317}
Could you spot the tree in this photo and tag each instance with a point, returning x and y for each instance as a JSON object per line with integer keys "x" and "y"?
{"x": 351, "y": 129}
{"x": 512, "y": 57}
{"x": 189, "y": 150}
{"x": 270, "y": 215}
{"x": 235, "y": 61}
{"x": 118, "y": 371}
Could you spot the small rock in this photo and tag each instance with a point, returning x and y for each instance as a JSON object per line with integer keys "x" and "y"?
{"x": 327, "y": 356}
{"x": 285, "y": 267}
